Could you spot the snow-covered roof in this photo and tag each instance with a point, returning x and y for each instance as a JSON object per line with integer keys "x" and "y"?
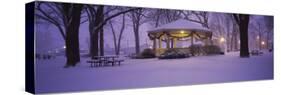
{"x": 181, "y": 24}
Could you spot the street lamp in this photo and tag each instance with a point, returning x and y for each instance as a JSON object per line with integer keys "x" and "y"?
{"x": 262, "y": 43}
{"x": 222, "y": 39}
{"x": 223, "y": 45}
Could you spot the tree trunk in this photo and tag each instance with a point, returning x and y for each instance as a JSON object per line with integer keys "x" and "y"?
{"x": 101, "y": 43}
{"x": 93, "y": 41}
{"x": 136, "y": 18}
{"x": 231, "y": 42}
{"x": 234, "y": 38}
{"x": 243, "y": 27}
{"x": 94, "y": 44}
{"x": 91, "y": 52}
{"x": 227, "y": 40}
{"x": 120, "y": 35}
{"x": 137, "y": 39}
{"x": 114, "y": 38}
{"x": 101, "y": 33}
{"x": 236, "y": 41}
{"x": 72, "y": 33}
{"x": 95, "y": 32}
{"x": 117, "y": 40}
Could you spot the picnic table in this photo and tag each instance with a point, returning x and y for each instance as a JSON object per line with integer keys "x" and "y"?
{"x": 105, "y": 60}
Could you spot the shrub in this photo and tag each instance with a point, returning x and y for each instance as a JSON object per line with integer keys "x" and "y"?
{"x": 212, "y": 49}
{"x": 148, "y": 53}
{"x": 196, "y": 49}
{"x": 172, "y": 54}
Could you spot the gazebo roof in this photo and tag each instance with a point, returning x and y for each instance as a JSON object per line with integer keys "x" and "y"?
{"x": 180, "y": 24}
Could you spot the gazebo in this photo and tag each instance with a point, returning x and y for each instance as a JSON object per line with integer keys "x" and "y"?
{"x": 181, "y": 29}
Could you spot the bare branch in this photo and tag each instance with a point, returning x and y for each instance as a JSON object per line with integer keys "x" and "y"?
{"x": 112, "y": 16}
{"x": 236, "y": 18}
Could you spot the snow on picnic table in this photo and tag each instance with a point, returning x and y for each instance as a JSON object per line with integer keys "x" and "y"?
{"x": 140, "y": 73}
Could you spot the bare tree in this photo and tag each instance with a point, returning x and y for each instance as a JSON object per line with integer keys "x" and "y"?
{"x": 228, "y": 25}
{"x": 227, "y": 28}
{"x": 157, "y": 17}
{"x": 197, "y": 16}
{"x": 66, "y": 17}
{"x": 97, "y": 20}
{"x": 95, "y": 16}
{"x": 53, "y": 14}
{"x": 269, "y": 21}
{"x": 137, "y": 20}
{"x": 258, "y": 27}
{"x": 117, "y": 38}
{"x": 154, "y": 17}
{"x": 72, "y": 32}
{"x": 217, "y": 25}
{"x": 234, "y": 37}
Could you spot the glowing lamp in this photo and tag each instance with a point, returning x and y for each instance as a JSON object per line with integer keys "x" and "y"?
{"x": 222, "y": 39}
{"x": 258, "y": 37}
{"x": 262, "y": 42}
{"x": 182, "y": 32}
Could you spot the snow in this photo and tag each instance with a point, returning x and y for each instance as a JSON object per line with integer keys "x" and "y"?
{"x": 142, "y": 73}
{"x": 181, "y": 24}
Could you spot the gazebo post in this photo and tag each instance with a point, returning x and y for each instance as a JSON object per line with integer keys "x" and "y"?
{"x": 210, "y": 40}
{"x": 174, "y": 42}
{"x": 191, "y": 38}
{"x": 154, "y": 44}
{"x": 160, "y": 43}
{"x": 168, "y": 43}
{"x": 192, "y": 49}
{"x": 206, "y": 41}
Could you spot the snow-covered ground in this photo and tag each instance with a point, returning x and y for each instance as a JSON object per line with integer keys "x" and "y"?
{"x": 140, "y": 73}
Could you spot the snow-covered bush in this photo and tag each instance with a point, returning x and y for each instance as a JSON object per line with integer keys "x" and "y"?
{"x": 212, "y": 49}
{"x": 147, "y": 53}
{"x": 173, "y": 53}
{"x": 196, "y": 49}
